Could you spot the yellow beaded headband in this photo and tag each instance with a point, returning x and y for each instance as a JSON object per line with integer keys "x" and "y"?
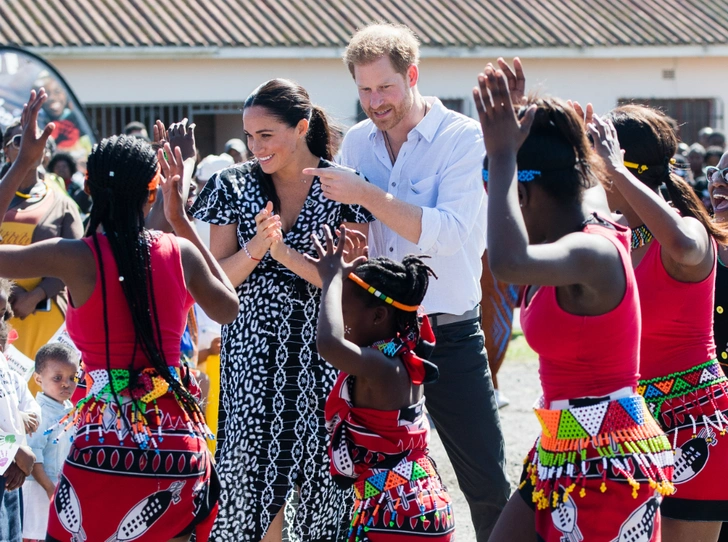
{"x": 372, "y": 290}
{"x": 641, "y": 168}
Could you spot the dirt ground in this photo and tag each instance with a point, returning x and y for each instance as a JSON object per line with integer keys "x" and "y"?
{"x": 518, "y": 380}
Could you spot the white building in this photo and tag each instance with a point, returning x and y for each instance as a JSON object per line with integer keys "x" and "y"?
{"x": 203, "y": 60}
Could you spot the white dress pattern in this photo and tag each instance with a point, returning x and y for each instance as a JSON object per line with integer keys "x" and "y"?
{"x": 273, "y": 384}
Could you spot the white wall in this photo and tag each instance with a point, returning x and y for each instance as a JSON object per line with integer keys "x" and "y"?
{"x": 601, "y": 81}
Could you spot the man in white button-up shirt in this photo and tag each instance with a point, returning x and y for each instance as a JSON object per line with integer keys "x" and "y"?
{"x": 423, "y": 163}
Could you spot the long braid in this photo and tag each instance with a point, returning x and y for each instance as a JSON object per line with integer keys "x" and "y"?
{"x": 119, "y": 171}
{"x": 405, "y": 282}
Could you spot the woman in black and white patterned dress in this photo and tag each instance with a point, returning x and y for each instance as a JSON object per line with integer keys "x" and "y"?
{"x": 272, "y": 439}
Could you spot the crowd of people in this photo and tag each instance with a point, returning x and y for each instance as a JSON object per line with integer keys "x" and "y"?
{"x": 230, "y": 347}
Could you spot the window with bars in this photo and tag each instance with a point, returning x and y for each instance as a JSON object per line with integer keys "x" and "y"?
{"x": 110, "y": 119}
{"x": 691, "y": 114}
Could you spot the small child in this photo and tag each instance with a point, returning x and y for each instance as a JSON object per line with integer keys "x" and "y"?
{"x": 369, "y": 329}
{"x": 56, "y": 365}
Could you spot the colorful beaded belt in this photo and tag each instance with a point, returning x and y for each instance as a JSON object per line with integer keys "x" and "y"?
{"x": 615, "y": 430}
{"x": 382, "y": 480}
{"x": 658, "y": 390}
{"x": 149, "y": 386}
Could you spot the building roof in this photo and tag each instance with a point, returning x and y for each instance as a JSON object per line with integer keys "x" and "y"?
{"x": 78, "y": 24}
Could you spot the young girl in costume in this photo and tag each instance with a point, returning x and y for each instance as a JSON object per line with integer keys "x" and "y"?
{"x": 601, "y": 464}
{"x": 139, "y": 468}
{"x": 674, "y": 254}
{"x": 368, "y": 328}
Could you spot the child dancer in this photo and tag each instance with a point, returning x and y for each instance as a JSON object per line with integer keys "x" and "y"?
{"x": 368, "y": 328}
{"x": 56, "y": 366}
{"x": 601, "y": 464}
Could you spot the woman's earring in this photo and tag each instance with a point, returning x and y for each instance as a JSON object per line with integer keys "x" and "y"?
{"x": 347, "y": 330}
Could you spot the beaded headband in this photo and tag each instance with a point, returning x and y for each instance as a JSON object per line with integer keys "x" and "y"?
{"x": 524, "y": 175}
{"x": 641, "y": 168}
{"x": 372, "y": 290}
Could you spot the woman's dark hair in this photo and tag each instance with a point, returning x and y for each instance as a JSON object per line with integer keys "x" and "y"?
{"x": 648, "y": 139}
{"x": 405, "y": 282}
{"x": 120, "y": 169}
{"x": 557, "y": 151}
{"x": 62, "y": 157}
{"x": 289, "y": 102}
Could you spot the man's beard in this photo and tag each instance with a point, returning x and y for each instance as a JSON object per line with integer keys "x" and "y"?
{"x": 399, "y": 111}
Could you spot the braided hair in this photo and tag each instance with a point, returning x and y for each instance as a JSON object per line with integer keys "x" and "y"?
{"x": 405, "y": 282}
{"x": 120, "y": 169}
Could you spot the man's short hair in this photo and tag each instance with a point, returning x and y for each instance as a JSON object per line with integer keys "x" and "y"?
{"x": 55, "y": 352}
{"x": 376, "y": 40}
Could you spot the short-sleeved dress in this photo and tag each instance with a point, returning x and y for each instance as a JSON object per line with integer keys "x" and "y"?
{"x": 273, "y": 384}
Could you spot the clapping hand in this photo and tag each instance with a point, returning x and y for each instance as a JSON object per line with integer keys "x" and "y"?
{"x": 516, "y": 80}
{"x": 503, "y": 132}
{"x": 331, "y": 261}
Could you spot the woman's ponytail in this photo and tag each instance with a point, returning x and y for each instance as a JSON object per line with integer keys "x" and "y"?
{"x": 318, "y": 137}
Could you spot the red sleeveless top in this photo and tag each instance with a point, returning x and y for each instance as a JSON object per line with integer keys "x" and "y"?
{"x": 581, "y": 356}
{"x": 677, "y": 317}
{"x": 85, "y": 324}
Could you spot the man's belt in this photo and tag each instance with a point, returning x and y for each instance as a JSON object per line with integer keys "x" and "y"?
{"x": 442, "y": 319}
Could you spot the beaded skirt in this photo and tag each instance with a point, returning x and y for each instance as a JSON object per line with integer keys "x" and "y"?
{"x": 598, "y": 471}
{"x": 692, "y": 408}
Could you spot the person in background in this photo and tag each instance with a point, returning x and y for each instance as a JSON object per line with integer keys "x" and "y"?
{"x": 703, "y": 135}
{"x": 137, "y": 129}
{"x": 36, "y": 211}
{"x": 63, "y": 165}
{"x": 56, "y": 366}
{"x": 696, "y": 158}
{"x": 718, "y": 190}
{"x": 712, "y": 156}
{"x": 207, "y": 167}
{"x": 716, "y": 139}
{"x": 236, "y": 149}
{"x": 683, "y": 148}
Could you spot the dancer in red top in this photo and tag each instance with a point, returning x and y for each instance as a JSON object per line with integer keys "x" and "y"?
{"x": 674, "y": 251}
{"x": 601, "y": 465}
{"x": 139, "y": 468}
{"x": 369, "y": 329}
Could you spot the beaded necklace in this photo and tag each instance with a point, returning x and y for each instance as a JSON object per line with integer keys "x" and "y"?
{"x": 641, "y": 235}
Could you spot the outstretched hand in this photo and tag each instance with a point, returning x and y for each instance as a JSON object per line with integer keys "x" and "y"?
{"x": 32, "y": 139}
{"x": 587, "y": 115}
{"x": 173, "y": 169}
{"x": 606, "y": 143}
{"x": 331, "y": 261}
{"x": 503, "y": 132}
{"x": 516, "y": 80}
{"x": 178, "y": 135}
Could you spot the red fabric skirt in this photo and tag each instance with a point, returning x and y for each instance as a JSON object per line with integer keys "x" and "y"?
{"x": 692, "y": 408}
{"x": 113, "y": 490}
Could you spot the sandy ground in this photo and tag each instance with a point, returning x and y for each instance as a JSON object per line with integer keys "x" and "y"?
{"x": 518, "y": 380}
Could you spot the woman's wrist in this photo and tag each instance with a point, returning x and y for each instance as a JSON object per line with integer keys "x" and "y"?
{"x": 255, "y": 249}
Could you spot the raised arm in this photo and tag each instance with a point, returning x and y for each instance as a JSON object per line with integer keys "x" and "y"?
{"x": 575, "y": 258}
{"x": 32, "y": 147}
{"x": 684, "y": 239}
{"x": 331, "y": 342}
{"x": 206, "y": 280}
